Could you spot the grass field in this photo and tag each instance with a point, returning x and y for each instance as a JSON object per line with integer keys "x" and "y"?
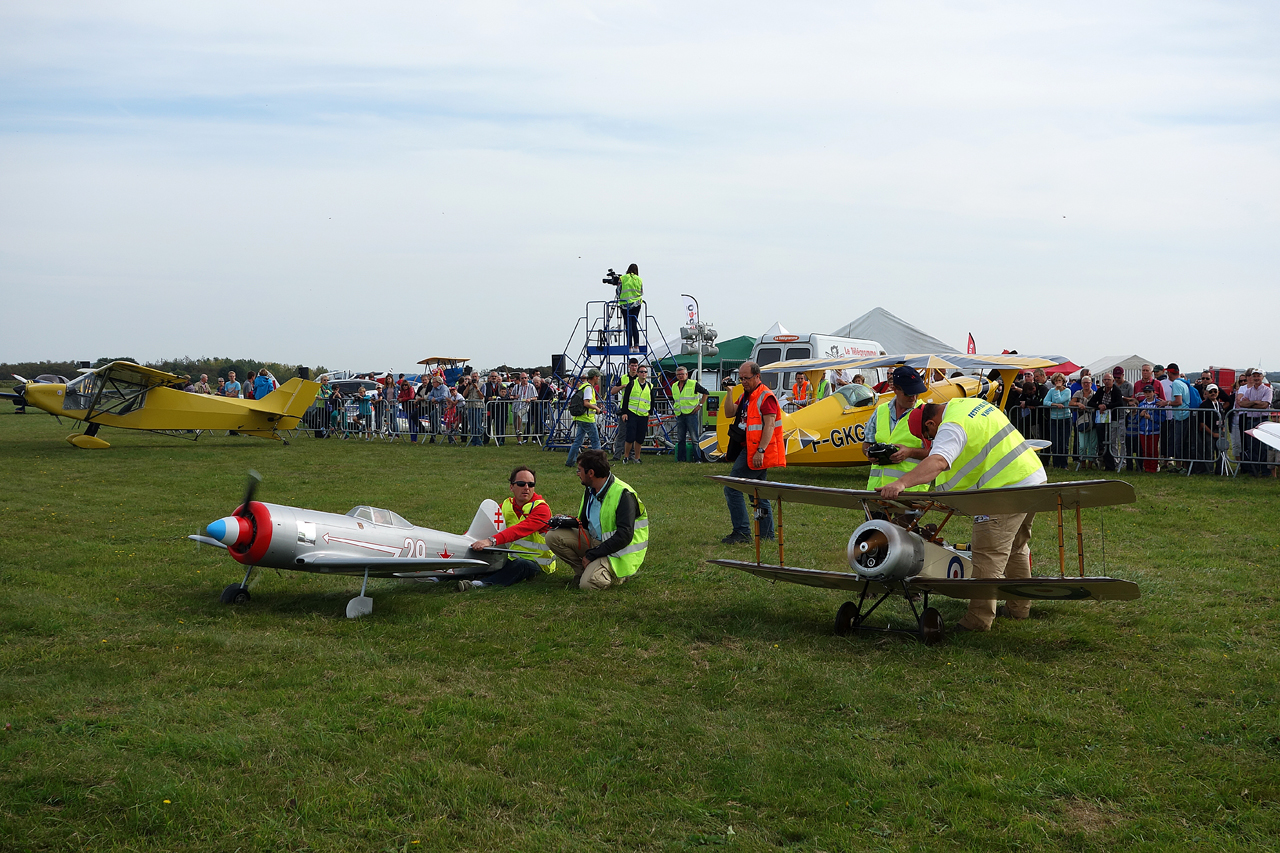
{"x": 694, "y": 707}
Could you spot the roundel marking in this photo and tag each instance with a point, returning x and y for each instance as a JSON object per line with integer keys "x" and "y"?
{"x": 1064, "y": 593}
{"x": 955, "y": 569}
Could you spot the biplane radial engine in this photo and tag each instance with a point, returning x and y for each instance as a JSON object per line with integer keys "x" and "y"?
{"x": 367, "y": 541}
{"x": 893, "y": 552}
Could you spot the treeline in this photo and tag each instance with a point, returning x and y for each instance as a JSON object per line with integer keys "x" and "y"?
{"x": 186, "y": 366}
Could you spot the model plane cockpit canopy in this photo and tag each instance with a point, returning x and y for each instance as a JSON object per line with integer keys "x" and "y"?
{"x": 374, "y": 515}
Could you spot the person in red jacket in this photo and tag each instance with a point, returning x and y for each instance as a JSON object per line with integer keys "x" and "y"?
{"x": 404, "y": 396}
{"x": 527, "y": 517}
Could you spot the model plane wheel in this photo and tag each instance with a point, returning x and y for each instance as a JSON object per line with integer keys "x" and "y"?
{"x": 931, "y": 629}
{"x": 235, "y": 594}
{"x": 847, "y": 619}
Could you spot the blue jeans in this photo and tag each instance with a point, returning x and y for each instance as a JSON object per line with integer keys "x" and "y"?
{"x": 737, "y": 501}
{"x": 688, "y": 426}
{"x": 585, "y": 428}
{"x": 631, "y": 316}
{"x": 475, "y": 425}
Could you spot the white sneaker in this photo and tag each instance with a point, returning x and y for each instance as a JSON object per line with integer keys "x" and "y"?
{"x": 466, "y": 586}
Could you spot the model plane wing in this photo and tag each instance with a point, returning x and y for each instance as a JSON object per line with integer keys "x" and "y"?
{"x": 1268, "y": 433}
{"x": 1040, "y": 589}
{"x": 1042, "y": 498}
{"x": 386, "y": 567}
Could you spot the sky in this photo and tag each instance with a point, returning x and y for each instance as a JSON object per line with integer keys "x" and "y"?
{"x": 365, "y": 185}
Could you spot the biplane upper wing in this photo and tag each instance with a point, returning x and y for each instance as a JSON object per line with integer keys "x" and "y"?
{"x": 1042, "y": 498}
{"x": 1039, "y": 589}
{"x": 917, "y": 360}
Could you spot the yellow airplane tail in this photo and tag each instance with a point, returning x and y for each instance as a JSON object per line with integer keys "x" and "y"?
{"x": 292, "y": 399}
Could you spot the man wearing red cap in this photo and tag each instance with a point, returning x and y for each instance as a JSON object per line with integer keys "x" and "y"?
{"x": 972, "y": 445}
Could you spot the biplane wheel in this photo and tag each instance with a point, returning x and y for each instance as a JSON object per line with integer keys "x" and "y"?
{"x": 847, "y": 619}
{"x": 235, "y": 594}
{"x": 285, "y": 442}
{"x": 931, "y": 629}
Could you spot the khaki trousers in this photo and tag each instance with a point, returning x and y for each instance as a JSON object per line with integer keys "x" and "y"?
{"x": 1001, "y": 549}
{"x": 570, "y": 546}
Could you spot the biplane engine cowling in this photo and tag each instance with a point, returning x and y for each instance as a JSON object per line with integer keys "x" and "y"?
{"x": 882, "y": 551}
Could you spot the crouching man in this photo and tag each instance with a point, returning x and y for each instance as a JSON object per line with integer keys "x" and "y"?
{"x": 527, "y": 517}
{"x": 613, "y": 534}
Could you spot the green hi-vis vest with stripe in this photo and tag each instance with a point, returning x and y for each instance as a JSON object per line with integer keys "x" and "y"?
{"x": 822, "y": 390}
{"x": 641, "y": 399}
{"x": 631, "y": 289}
{"x": 686, "y": 397}
{"x": 589, "y": 416}
{"x": 534, "y": 545}
{"x": 996, "y": 454}
{"x": 900, "y": 434}
{"x": 625, "y": 561}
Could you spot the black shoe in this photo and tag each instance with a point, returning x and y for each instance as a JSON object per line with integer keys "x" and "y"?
{"x": 736, "y": 539}
{"x": 959, "y": 629}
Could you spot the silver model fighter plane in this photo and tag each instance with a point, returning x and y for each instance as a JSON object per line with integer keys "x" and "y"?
{"x": 367, "y": 541}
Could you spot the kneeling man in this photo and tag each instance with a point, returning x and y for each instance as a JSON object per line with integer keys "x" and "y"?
{"x": 613, "y": 533}
{"x": 527, "y": 516}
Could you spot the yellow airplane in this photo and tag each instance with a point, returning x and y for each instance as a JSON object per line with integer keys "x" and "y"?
{"x": 830, "y": 431}
{"x": 129, "y": 396}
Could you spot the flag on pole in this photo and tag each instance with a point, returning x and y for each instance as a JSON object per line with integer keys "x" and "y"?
{"x": 973, "y": 348}
{"x": 688, "y": 311}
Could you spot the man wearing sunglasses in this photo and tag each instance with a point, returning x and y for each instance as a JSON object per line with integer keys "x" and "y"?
{"x": 527, "y": 518}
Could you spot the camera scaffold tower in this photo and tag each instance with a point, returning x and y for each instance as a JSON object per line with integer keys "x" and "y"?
{"x": 603, "y": 332}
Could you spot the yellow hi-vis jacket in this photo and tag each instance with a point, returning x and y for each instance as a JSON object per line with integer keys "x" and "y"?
{"x": 995, "y": 454}
{"x": 534, "y": 545}
{"x": 882, "y": 475}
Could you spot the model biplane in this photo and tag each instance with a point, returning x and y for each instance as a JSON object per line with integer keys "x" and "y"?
{"x": 894, "y": 553}
{"x": 367, "y": 542}
{"x": 129, "y": 396}
{"x": 830, "y": 431}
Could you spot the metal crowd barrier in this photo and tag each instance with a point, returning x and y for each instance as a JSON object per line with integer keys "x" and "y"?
{"x": 1133, "y": 441}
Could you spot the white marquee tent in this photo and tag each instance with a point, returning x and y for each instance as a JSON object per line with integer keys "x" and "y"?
{"x": 896, "y": 334}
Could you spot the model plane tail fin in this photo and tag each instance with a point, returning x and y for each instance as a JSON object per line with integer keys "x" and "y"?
{"x": 293, "y": 398}
{"x": 487, "y": 522}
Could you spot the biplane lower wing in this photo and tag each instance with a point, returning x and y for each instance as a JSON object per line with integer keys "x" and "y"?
{"x": 1039, "y": 589}
{"x": 1042, "y": 498}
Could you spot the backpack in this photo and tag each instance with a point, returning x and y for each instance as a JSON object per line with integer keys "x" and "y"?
{"x": 578, "y": 403}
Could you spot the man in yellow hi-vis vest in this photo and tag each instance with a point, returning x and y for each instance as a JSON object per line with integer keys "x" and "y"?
{"x": 612, "y": 536}
{"x": 888, "y": 425}
{"x": 972, "y": 445}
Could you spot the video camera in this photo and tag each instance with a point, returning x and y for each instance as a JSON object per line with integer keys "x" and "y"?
{"x": 882, "y": 453}
{"x": 612, "y": 278}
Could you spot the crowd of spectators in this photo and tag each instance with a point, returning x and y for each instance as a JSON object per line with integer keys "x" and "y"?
{"x": 1161, "y": 422}
{"x": 471, "y": 411}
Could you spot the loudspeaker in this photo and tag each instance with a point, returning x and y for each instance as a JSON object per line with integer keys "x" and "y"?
{"x": 304, "y": 372}
{"x": 557, "y": 364}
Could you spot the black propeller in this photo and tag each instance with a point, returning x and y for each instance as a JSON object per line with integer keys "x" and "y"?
{"x": 254, "y": 479}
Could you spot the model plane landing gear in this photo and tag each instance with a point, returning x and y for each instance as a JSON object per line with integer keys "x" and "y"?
{"x": 931, "y": 628}
{"x": 238, "y": 593}
{"x": 235, "y": 594}
{"x": 361, "y": 605}
{"x": 852, "y": 616}
{"x": 848, "y": 619}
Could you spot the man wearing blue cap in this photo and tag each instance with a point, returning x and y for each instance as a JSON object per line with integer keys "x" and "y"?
{"x": 888, "y": 425}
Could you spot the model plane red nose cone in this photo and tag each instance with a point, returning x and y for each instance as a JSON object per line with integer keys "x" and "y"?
{"x": 232, "y": 530}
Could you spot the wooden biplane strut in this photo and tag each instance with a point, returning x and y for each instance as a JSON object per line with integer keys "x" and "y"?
{"x": 894, "y": 553}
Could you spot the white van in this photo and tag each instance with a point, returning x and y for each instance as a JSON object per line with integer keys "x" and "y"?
{"x": 778, "y": 344}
